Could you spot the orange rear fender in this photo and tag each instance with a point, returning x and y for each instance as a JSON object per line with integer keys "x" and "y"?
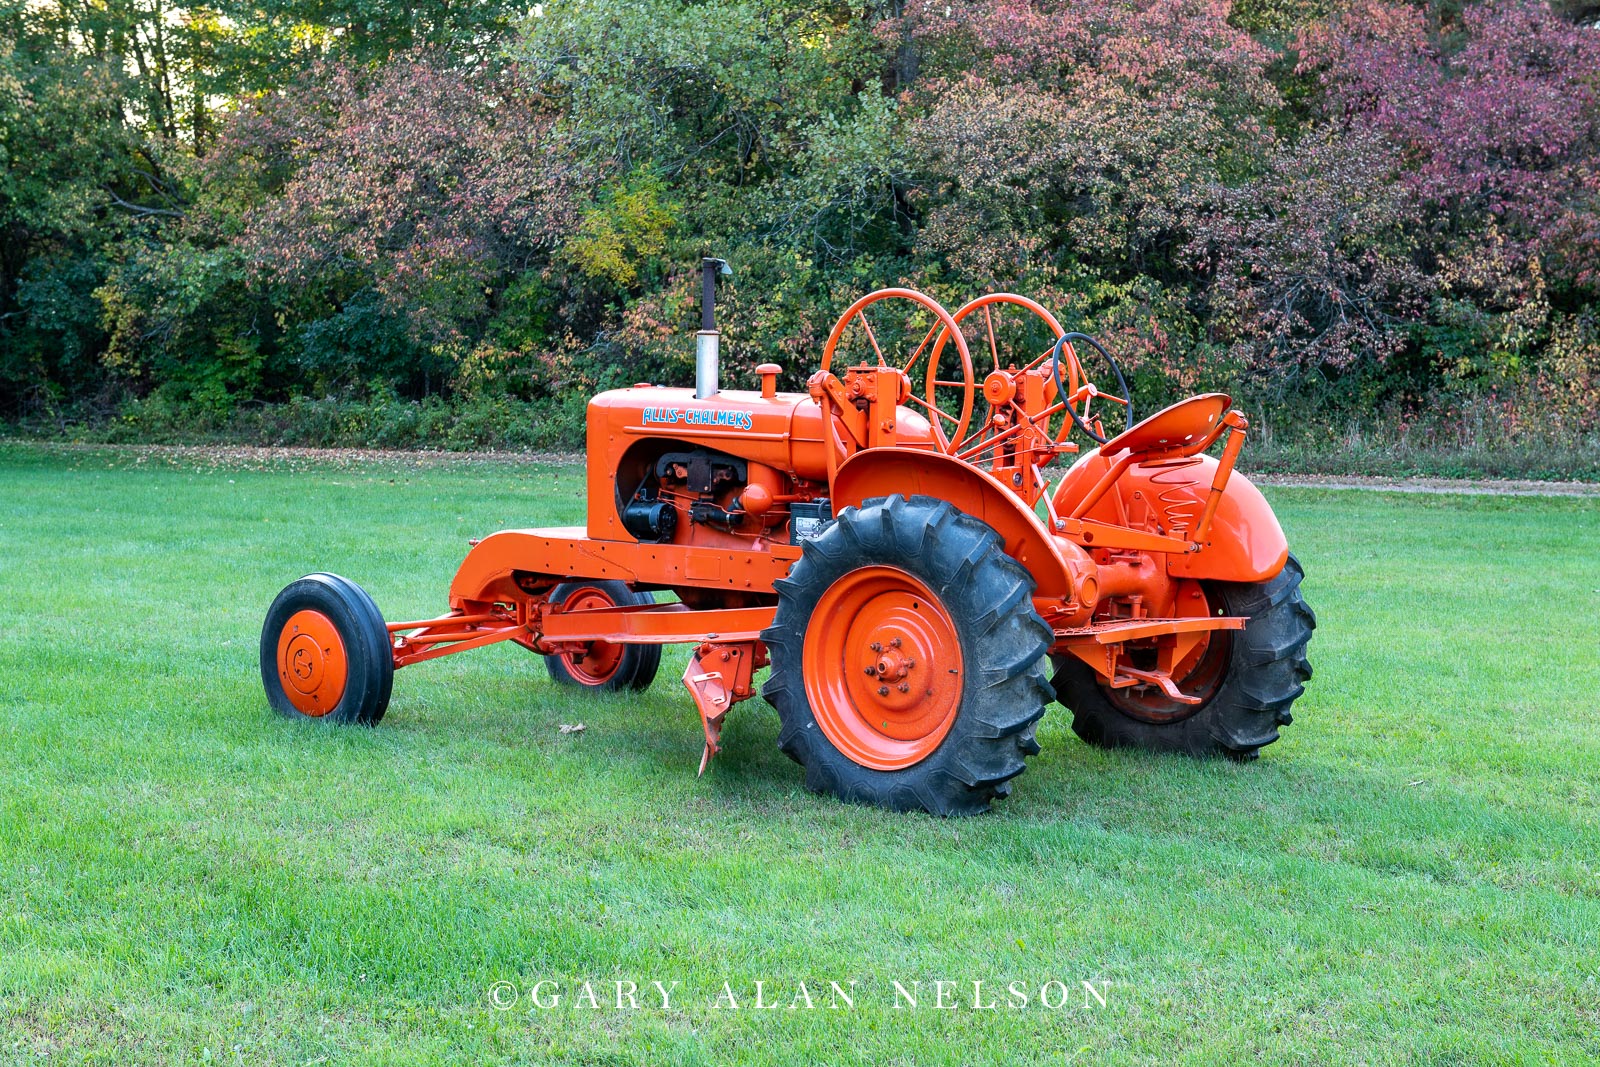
{"x": 1058, "y": 566}
{"x": 1245, "y": 542}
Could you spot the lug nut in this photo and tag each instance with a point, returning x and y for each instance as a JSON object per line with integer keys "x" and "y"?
{"x": 871, "y": 671}
{"x": 895, "y": 643}
{"x": 876, "y": 647}
{"x": 883, "y": 690}
{"x": 905, "y": 687}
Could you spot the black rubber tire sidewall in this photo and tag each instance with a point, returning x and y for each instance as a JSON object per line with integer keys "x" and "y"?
{"x": 369, "y": 659}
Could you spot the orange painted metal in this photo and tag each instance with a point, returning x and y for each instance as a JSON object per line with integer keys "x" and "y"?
{"x": 513, "y": 564}
{"x": 1183, "y": 428}
{"x": 543, "y": 629}
{"x": 1116, "y": 547}
{"x": 1244, "y": 542}
{"x": 594, "y": 662}
{"x": 441, "y": 639}
{"x": 1237, "y": 425}
{"x": 1103, "y": 646}
{"x": 1190, "y": 650}
{"x": 664, "y": 624}
{"x": 884, "y": 678}
{"x": 786, "y": 432}
{"x": 880, "y": 472}
{"x": 312, "y": 663}
{"x": 948, "y": 331}
{"x": 719, "y": 675}
{"x": 458, "y": 620}
{"x": 1015, "y": 440}
{"x": 1118, "y": 631}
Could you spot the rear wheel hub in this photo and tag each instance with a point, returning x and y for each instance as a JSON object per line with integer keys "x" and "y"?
{"x": 884, "y": 673}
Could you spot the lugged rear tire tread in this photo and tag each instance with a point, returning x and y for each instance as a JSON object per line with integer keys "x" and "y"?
{"x": 1266, "y": 674}
{"x": 1004, "y": 642}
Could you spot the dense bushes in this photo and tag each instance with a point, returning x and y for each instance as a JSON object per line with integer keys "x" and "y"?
{"x": 1355, "y": 214}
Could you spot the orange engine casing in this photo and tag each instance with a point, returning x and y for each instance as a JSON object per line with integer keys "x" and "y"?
{"x": 780, "y": 436}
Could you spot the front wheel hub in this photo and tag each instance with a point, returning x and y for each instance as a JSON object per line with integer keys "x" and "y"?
{"x": 312, "y": 663}
{"x": 884, "y": 673}
{"x": 597, "y": 661}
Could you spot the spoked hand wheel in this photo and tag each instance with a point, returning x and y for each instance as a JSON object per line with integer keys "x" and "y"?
{"x": 1011, "y": 329}
{"x": 947, "y": 401}
{"x": 1080, "y": 396}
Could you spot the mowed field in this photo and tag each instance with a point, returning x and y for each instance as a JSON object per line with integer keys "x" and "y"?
{"x": 1412, "y": 875}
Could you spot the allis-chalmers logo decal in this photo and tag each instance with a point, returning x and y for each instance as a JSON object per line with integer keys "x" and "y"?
{"x": 738, "y": 420}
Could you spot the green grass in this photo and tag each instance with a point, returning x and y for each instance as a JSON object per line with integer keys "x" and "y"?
{"x": 1411, "y": 876}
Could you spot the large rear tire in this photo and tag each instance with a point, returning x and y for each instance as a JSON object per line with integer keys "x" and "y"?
{"x": 603, "y": 666}
{"x": 907, "y": 660}
{"x": 325, "y": 653}
{"x": 1257, "y": 673}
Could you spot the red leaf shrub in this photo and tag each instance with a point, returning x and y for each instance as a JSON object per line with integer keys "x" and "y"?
{"x": 1497, "y": 119}
{"x": 430, "y": 183}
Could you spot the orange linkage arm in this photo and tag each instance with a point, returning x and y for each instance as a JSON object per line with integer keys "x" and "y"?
{"x": 1236, "y": 425}
{"x": 433, "y": 638}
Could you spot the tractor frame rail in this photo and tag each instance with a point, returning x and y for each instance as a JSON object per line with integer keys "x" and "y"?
{"x": 547, "y": 631}
{"x": 728, "y": 647}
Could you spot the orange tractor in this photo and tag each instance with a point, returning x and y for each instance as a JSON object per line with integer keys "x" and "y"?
{"x": 891, "y": 544}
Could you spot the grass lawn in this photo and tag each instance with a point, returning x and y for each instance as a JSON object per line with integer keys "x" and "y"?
{"x": 1411, "y": 876}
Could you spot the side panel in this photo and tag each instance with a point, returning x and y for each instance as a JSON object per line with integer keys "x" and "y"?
{"x": 1246, "y": 544}
{"x": 559, "y": 553}
{"x": 743, "y": 424}
{"x": 877, "y": 472}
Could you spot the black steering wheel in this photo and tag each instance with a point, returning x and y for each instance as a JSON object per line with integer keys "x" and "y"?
{"x": 1082, "y": 421}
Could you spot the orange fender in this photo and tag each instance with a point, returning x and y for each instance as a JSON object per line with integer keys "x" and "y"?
{"x": 875, "y": 472}
{"x": 1245, "y": 543}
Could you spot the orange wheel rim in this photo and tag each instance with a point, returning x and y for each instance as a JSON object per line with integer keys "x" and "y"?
{"x": 312, "y": 663}
{"x": 599, "y": 660}
{"x": 883, "y": 669}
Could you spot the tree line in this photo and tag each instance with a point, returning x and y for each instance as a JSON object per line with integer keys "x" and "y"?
{"x": 1356, "y": 207}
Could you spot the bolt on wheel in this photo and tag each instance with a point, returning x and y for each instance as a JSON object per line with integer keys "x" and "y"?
{"x": 906, "y": 659}
{"x": 601, "y": 664}
{"x": 312, "y": 663}
{"x": 325, "y": 652}
{"x": 885, "y": 678}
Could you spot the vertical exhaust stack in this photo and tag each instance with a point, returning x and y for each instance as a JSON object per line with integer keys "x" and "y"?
{"x": 708, "y": 342}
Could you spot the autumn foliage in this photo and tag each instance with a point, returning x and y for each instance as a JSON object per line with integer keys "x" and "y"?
{"x": 1375, "y": 210}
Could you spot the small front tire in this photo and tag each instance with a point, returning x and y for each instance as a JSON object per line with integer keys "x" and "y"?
{"x": 601, "y": 665}
{"x": 325, "y": 653}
